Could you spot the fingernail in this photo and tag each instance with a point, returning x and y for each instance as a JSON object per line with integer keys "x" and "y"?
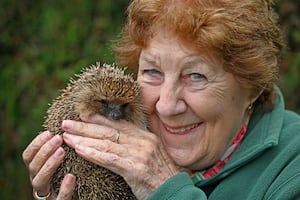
{"x": 55, "y": 140}
{"x": 45, "y": 136}
{"x": 67, "y": 124}
{"x": 59, "y": 152}
{"x": 68, "y": 136}
{"x": 70, "y": 139}
{"x": 79, "y": 148}
{"x": 70, "y": 179}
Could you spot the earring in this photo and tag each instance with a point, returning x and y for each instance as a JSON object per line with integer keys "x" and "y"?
{"x": 250, "y": 106}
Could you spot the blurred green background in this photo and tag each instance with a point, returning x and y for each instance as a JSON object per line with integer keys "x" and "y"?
{"x": 43, "y": 43}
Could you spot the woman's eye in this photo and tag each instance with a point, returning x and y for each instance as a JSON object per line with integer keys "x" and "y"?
{"x": 195, "y": 80}
{"x": 195, "y": 77}
{"x": 152, "y": 72}
{"x": 151, "y": 76}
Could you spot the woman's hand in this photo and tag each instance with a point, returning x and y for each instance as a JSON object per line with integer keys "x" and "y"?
{"x": 42, "y": 158}
{"x": 135, "y": 154}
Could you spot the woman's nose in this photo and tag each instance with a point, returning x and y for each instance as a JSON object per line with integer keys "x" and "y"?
{"x": 170, "y": 101}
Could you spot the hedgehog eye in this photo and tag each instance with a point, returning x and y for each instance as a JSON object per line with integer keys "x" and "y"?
{"x": 102, "y": 101}
{"x": 125, "y": 105}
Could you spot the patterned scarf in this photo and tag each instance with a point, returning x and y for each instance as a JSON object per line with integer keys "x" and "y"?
{"x": 216, "y": 168}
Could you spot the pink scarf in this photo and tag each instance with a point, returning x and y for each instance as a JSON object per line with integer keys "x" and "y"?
{"x": 215, "y": 169}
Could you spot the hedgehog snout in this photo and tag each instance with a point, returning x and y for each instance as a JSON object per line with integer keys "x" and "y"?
{"x": 113, "y": 110}
{"x": 115, "y": 115}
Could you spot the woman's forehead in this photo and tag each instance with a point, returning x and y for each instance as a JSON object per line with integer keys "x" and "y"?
{"x": 169, "y": 41}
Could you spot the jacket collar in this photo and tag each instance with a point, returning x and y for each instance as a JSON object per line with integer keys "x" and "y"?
{"x": 263, "y": 133}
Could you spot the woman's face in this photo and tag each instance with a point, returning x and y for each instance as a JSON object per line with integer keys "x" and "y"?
{"x": 195, "y": 107}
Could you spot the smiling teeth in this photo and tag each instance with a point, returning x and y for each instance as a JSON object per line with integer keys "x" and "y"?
{"x": 183, "y": 129}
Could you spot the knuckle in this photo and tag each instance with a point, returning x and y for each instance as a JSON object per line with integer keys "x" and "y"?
{"x": 36, "y": 185}
{"x": 43, "y": 153}
{"x": 48, "y": 168}
{"x": 63, "y": 195}
{"x": 104, "y": 146}
{"x": 149, "y": 147}
{"x": 153, "y": 138}
{"x": 32, "y": 168}
{"x": 87, "y": 127}
{"x": 111, "y": 135}
{"x": 81, "y": 127}
{"x": 66, "y": 189}
{"x": 113, "y": 160}
{"x": 25, "y": 157}
{"x": 139, "y": 170}
{"x": 28, "y": 153}
{"x": 147, "y": 153}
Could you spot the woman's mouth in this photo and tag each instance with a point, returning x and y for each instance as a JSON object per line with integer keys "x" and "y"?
{"x": 181, "y": 130}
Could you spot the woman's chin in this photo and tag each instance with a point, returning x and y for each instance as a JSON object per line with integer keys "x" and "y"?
{"x": 181, "y": 157}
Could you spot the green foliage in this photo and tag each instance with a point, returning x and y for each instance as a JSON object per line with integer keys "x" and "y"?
{"x": 289, "y": 12}
{"x": 290, "y": 82}
{"x": 43, "y": 43}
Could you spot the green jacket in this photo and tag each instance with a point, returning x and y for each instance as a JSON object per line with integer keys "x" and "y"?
{"x": 265, "y": 166}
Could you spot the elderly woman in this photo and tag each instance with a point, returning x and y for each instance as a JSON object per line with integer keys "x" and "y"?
{"x": 217, "y": 124}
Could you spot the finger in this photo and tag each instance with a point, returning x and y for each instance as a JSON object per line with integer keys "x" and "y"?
{"x": 72, "y": 139}
{"x": 89, "y": 130}
{"x": 43, "y": 154}
{"x": 31, "y": 150}
{"x": 41, "y": 182}
{"x": 101, "y": 145}
{"x": 108, "y": 160}
{"x": 131, "y": 130}
{"x": 99, "y": 119}
{"x": 67, "y": 188}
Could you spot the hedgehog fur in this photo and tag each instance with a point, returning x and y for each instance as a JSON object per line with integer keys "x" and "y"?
{"x": 99, "y": 89}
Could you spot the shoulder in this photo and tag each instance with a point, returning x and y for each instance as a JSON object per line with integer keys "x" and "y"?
{"x": 291, "y": 120}
{"x": 286, "y": 160}
{"x": 286, "y": 156}
{"x": 290, "y": 123}
{"x": 279, "y": 124}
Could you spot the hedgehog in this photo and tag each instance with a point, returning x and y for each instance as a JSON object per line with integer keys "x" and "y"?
{"x": 99, "y": 89}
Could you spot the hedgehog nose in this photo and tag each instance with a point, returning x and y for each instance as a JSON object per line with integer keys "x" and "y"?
{"x": 115, "y": 115}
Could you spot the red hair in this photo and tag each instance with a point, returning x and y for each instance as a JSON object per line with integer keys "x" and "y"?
{"x": 244, "y": 35}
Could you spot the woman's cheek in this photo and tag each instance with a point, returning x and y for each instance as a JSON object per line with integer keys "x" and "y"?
{"x": 150, "y": 95}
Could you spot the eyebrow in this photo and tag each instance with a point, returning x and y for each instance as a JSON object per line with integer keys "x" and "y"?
{"x": 149, "y": 59}
{"x": 193, "y": 60}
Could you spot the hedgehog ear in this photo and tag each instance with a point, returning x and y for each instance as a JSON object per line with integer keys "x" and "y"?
{"x": 269, "y": 3}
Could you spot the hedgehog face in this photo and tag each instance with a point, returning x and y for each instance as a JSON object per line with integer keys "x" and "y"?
{"x": 91, "y": 99}
{"x": 114, "y": 110}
